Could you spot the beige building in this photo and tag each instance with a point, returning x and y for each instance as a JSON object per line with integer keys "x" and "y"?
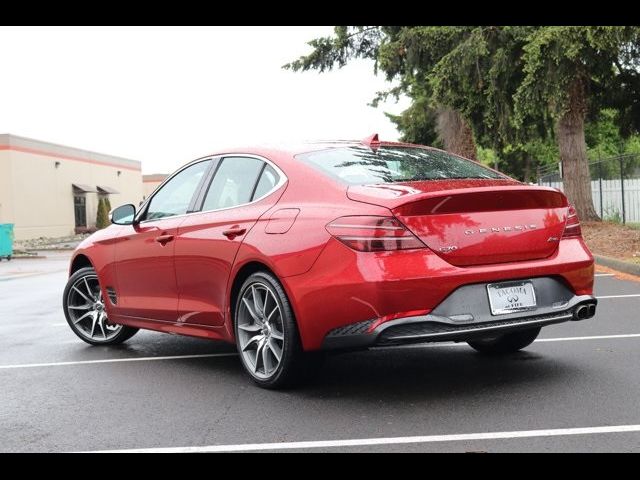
{"x": 50, "y": 190}
{"x": 150, "y": 182}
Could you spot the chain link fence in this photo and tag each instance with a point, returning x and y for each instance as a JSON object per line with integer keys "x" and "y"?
{"x": 615, "y": 186}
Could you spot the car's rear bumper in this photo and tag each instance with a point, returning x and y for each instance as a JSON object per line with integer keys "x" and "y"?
{"x": 435, "y": 328}
{"x": 346, "y": 289}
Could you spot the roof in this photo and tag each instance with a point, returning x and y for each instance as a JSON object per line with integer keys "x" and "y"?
{"x": 38, "y": 147}
{"x": 309, "y": 146}
{"x": 154, "y": 177}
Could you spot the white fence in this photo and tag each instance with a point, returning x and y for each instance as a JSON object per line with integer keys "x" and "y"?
{"x": 611, "y": 207}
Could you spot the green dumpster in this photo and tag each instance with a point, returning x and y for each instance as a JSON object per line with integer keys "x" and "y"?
{"x": 6, "y": 240}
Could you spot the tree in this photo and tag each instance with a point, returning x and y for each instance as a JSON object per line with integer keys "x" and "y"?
{"x": 392, "y": 52}
{"x": 107, "y": 203}
{"x": 419, "y": 122}
{"x": 569, "y": 73}
{"x": 102, "y": 217}
{"x": 516, "y": 87}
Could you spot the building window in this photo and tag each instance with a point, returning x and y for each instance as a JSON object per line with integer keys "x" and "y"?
{"x": 80, "y": 210}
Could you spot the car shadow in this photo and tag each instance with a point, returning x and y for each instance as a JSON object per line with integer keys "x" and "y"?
{"x": 151, "y": 344}
{"x": 391, "y": 375}
{"x": 434, "y": 373}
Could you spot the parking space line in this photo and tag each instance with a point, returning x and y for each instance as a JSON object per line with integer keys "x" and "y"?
{"x": 213, "y": 355}
{"x": 18, "y": 276}
{"x": 605, "y": 275}
{"x": 594, "y": 337}
{"x": 538, "y": 340}
{"x": 117, "y": 360}
{"x": 619, "y": 296}
{"x": 363, "y": 442}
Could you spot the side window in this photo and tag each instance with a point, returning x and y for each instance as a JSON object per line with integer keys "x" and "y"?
{"x": 268, "y": 180}
{"x": 233, "y": 183}
{"x": 175, "y": 196}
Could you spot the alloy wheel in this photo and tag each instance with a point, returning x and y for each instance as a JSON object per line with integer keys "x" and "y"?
{"x": 85, "y": 307}
{"x": 260, "y": 330}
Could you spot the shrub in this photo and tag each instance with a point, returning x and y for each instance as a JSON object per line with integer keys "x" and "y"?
{"x": 102, "y": 218}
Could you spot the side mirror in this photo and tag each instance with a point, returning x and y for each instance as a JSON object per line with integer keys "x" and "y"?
{"x": 123, "y": 215}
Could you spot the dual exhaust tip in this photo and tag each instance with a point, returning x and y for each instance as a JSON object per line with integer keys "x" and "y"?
{"x": 584, "y": 311}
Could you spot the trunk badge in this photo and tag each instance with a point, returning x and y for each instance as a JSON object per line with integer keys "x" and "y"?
{"x": 517, "y": 228}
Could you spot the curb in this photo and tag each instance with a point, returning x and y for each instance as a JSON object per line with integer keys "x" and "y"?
{"x": 56, "y": 249}
{"x": 22, "y": 257}
{"x": 619, "y": 265}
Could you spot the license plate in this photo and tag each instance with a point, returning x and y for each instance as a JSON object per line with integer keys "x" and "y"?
{"x": 511, "y": 297}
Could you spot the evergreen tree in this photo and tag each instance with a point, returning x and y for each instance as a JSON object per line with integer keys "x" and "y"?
{"x": 102, "y": 217}
{"x": 107, "y": 203}
{"x": 516, "y": 87}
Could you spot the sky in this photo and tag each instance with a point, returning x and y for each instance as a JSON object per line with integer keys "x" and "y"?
{"x": 165, "y": 96}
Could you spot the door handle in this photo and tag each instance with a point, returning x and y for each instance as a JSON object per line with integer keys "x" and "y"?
{"x": 164, "y": 239}
{"x": 234, "y": 232}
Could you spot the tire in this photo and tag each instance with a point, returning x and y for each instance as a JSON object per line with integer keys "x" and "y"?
{"x": 84, "y": 310}
{"x": 508, "y": 343}
{"x": 263, "y": 334}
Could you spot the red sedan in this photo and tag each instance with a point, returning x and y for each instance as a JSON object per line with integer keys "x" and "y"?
{"x": 330, "y": 246}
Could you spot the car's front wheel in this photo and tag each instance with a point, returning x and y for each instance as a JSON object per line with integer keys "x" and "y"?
{"x": 508, "y": 343}
{"x": 267, "y": 335}
{"x": 84, "y": 309}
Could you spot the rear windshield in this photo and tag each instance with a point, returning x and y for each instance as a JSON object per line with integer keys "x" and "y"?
{"x": 359, "y": 165}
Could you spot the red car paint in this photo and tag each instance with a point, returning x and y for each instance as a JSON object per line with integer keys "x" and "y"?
{"x": 474, "y": 230}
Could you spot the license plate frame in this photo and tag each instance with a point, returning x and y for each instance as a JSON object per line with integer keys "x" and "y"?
{"x": 523, "y": 291}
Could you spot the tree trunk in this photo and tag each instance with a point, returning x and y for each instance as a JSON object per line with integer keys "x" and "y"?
{"x": 573, "y": 154}
{"x": 527, "y": 169}
{"x": 455, "y": 133}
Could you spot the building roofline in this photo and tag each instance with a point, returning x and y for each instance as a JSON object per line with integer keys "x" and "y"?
{"x": 38, "y": 147}
{"x": 154, "y": 177}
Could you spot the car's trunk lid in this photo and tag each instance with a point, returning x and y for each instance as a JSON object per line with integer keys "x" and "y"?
{"x": 475, "y": 222}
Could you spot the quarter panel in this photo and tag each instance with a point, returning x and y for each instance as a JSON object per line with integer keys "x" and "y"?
{"x": 294, "y": 251}
{"x": 281, "y": 220}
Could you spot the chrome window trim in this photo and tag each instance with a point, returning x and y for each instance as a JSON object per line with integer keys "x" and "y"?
{"x": 282, "y": 180}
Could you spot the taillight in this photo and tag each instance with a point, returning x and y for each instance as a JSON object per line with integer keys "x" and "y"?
{"x": 373, "y": 234}
{"x": 572, "y": 228}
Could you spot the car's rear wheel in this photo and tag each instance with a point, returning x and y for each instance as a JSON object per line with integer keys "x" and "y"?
{"x": 84, "y": 309}
{"x": 508, "y": 343}
{"x": 267, "y": 335}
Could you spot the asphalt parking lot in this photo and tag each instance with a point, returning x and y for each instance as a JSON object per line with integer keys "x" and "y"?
{"x": 575, "y": 389}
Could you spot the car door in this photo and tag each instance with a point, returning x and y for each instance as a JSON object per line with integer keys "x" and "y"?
{"x": 146, "y": 282}
{"x": 242, "y": 189}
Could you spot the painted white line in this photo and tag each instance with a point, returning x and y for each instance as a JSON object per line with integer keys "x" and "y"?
{"x": 360, "y": 442}
{"x": 539, "y": 340}
{"x": 210, "y": 355}
{"x": 595, "y": 337}
{"x": 604, "y": 275}
{"x": 116, "y": 360}
{"x": 619, "y": 296}
{"x": 18, "y": 276}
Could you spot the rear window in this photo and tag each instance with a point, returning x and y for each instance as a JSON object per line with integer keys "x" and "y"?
{"x": 359, "y": 165}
